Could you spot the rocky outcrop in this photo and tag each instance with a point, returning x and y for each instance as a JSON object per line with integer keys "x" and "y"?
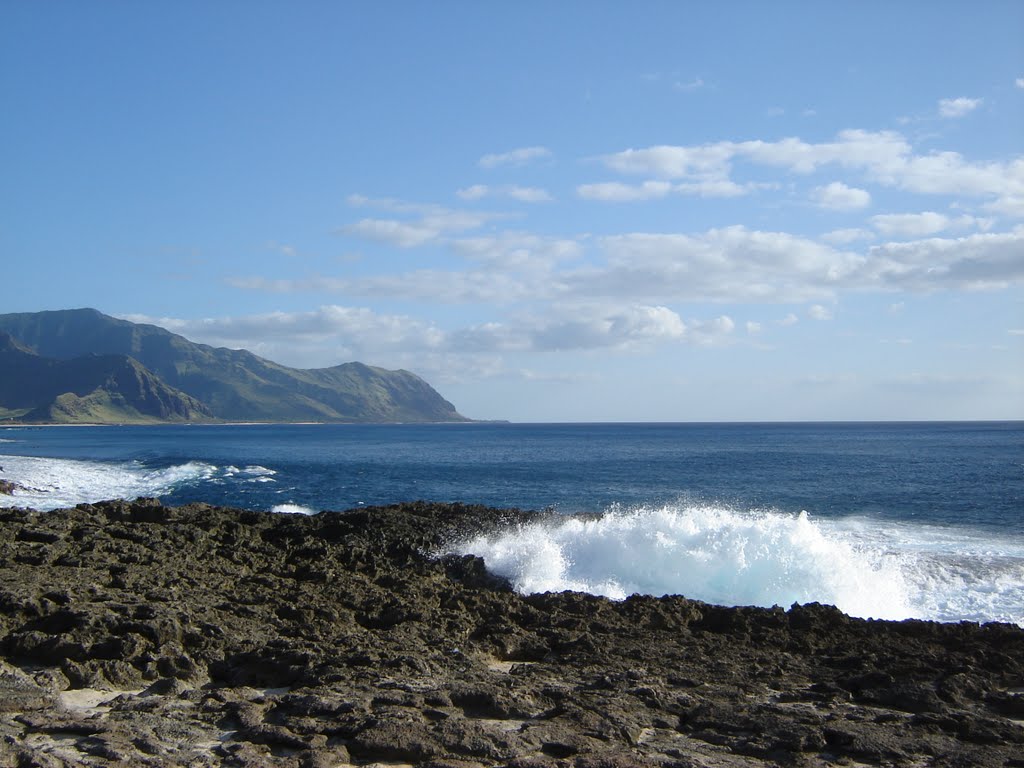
{"x": 136, "y": 634}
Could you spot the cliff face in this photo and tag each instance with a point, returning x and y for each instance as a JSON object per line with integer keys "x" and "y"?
{"x": 135, "y": 634}
{"x": 233, "y": 384}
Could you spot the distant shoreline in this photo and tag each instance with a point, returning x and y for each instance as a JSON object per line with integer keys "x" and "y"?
{"x": 477, "y": 422}
{"x": 19, "y": 425}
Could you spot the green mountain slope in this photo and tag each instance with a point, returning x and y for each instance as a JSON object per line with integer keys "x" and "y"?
{"x": 93, "y": 388}
{"x": 233, "y": 384}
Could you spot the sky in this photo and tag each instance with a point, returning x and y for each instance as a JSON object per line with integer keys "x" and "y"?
{"x": 565, "y": 211}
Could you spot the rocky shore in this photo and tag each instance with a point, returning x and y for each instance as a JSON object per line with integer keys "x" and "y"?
{"x": 133, "y": 634}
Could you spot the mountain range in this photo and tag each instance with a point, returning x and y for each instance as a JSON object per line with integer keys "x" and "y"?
{"x": 82, "y": 366}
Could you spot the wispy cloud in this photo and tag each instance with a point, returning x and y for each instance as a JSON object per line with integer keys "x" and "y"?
{"x": 958, "y": 107}
{"x": 515, "y": 157}
{"x": 688, "y": 86}
{"x": 617, "y": 192}
{"x": 511, "y": 191}
{"x": 425, "y": 222}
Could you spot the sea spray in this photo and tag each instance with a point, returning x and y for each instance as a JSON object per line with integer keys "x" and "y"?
{"x": 47, "y": 484}
{"x": 292, "y": 509}
{"x": 710, "y": 553}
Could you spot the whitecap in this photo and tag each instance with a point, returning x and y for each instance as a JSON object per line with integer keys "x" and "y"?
{"x": 47, "y": 484}
{"x": 762, "y": 557}
{"x": 292, "y": 509}
{"x": 255, "y": 470}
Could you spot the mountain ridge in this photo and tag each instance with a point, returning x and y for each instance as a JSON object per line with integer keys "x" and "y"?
{"x": 231, "y": 384}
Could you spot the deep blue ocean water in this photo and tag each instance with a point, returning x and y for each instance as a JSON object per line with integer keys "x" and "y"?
{"x": 887, "y": 520}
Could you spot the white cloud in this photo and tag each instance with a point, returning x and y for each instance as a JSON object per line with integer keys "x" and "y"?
{"x": 717, "y": 188}
{"x": 519, "y": 250}
{"x": 516, "y": 157}
{"x": 474, "y": 192}
{"x": 976, "y": 262}
{"x": 711, "y": 331}
{"x": 692, "y": 85}
{"x": 430, "y": 222}
{"x": 885, "y": 157}
{"x": 729, "y": 264}
{"x": 617, "y": 192}
{"x": 623, "y": 328}
{"x": 1020, "y": 82}
{"x": 851, "y": 149}
{"x": 958, "y": 107}
{"x": 753, "y": 328}
{"x": 789, "y": 319}
{"x": 514, "y": 192}
{"x": 1011, "y": 206}
{"x": 910, "y": 224}
{"x": 926, "y": 223}
{"x": 818, "y": 312}
{"x": 839, "y": 197}
{"x": 527, "y": 194}
{"x": 614, "y": 191}
{"x": 849, "y": 235}
{"x": 393, "y": 232}
{"x": 672, "y": 162}
{"x": 285, "y": 250}
{"x": 588, "y": 327}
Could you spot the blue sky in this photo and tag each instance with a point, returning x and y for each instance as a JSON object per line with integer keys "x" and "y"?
{"x": 575, "y": 211}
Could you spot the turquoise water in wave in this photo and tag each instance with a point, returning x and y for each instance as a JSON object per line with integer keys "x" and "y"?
{"x": 886, "y": 520}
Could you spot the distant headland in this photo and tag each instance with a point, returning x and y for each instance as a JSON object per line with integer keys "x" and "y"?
{"x": 80, "y": 366}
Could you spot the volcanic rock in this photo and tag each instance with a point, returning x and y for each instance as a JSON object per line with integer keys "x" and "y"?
{"x": 136, "y": 634}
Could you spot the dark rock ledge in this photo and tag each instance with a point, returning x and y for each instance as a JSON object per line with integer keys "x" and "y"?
{"x": 132, "y": 634}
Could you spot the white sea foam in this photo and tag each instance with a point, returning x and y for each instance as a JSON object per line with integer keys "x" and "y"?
{"x": 53, "y": 483}
{"x": 255, "y": 470}
{"x": 733, "y": 557}
{"x": 292, "y": 509}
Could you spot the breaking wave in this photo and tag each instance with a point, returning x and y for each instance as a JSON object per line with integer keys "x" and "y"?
{"x": 47, "y": 484}
{"x": 293, "y": 509}
{"x": 765, "y": 557}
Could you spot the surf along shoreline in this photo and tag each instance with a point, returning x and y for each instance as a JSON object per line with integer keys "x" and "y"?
{"x": 139, "y": 633}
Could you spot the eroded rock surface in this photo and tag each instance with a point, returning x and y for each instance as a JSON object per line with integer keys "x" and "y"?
{"x": 136, "y": 634}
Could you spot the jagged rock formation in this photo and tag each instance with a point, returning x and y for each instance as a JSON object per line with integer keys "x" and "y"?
{"x": 134, "y": 634}
{"x": 230, "y": 384}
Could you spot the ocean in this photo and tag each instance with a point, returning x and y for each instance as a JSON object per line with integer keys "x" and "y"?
{"x": 891, "y": 521}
